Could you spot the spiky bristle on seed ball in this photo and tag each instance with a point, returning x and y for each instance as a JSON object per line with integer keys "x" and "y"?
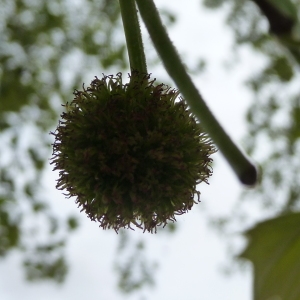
{"x": 131, "y": 153}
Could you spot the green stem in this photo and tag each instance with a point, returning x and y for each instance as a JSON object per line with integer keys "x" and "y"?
{"x": 244, "y": 169}
{"x": 133, "y": 36}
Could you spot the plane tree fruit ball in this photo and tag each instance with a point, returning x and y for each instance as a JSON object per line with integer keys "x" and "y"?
{"x": 131, "y": 154}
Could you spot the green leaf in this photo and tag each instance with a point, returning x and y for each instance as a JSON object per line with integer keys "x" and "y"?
{"x": 274, "y": 250}
{"x": 72, "y": 223}
{"x": 9, "y": 232}
{"x": 42, "y": 268}
{"x": 280, "y": 67}
{"x": 286, "y": 7}
{"x": 213, "y": 3}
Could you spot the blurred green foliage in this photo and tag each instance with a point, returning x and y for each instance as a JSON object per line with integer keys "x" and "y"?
{"x": 274, "y": 247}
{"x": 46, "y": 50}
{"x": 133, "y": 266}
{"x": 271, "y": 28}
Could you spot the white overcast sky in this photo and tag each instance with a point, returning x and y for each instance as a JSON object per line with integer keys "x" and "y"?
{"x": 191, "y": 261}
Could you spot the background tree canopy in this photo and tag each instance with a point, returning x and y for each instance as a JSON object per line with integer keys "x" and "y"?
{"x": 48, "y": 48}
{"x": 271, "y": 28}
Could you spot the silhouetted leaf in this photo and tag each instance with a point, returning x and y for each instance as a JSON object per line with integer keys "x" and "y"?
{"x": 274, "y": 250}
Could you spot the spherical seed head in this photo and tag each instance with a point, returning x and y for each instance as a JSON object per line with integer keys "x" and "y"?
{"x": 131, "y": 153}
